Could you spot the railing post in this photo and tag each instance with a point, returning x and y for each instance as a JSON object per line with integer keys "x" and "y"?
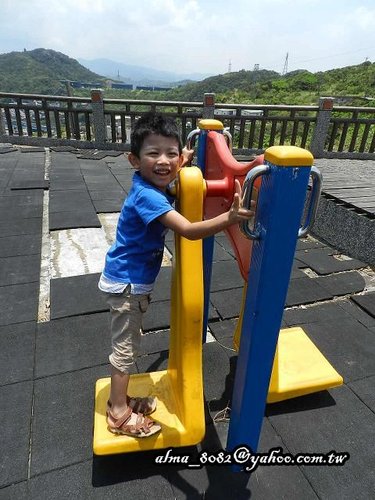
{"x": 208, "y": 105}
{"x": 321, "y": 128}
{"x": 100, "y": 132}
{"x": 2, "y": 122}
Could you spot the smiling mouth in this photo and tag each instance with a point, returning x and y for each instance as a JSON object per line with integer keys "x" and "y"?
{"x": 163, "y": 172}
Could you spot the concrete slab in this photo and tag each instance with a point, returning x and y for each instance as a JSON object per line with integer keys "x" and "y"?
{"x": 15, "y": 419}
{"x": 81, "y": 342}
{"x": 17, "y": 344}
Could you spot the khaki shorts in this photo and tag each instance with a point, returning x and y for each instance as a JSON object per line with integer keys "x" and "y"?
{"x": 126, "y": 324}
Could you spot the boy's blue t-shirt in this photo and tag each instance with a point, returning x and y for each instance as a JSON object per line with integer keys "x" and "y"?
{"x": 136, "y": 255}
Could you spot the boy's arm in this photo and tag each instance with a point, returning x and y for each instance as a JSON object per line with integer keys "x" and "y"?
{"x": 198, "y": 230}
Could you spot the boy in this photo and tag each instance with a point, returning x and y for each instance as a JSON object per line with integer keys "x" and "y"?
{"x": 134, "y": 260}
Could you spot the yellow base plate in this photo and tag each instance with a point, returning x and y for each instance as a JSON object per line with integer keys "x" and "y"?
{"x": 173, "y": 432}
{"x": 299, "y": 368}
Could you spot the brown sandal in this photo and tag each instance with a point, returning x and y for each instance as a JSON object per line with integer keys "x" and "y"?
{"x": 146, "y": 405}
{"x": 143, "y": 426}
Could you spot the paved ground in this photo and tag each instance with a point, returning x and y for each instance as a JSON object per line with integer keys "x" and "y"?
{"x": 48, "y": 367}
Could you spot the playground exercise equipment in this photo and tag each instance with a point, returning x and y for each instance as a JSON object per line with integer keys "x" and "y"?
{"x": 179, "y": 389}
{"x": 272, "y": 366}
{"x": 280, "y": 366}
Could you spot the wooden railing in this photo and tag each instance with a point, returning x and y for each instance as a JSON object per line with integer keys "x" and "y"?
{"x": 326, "y": 130}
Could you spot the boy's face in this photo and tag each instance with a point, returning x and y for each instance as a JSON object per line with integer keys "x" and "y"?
{"x": 158, "y": 161}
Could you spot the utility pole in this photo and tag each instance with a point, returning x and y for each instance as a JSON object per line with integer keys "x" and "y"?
{"x": 285, "y": 69}
{"x": 230, "y": 66}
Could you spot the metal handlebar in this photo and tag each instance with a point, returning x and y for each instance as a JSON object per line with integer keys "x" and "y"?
{"x": 316, "y": 189}
{"x": 247, "y": 189}
{"x": 228, "y": 137}
{"x": 191, "y": 138}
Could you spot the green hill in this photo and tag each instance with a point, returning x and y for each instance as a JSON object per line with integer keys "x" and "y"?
{"x": 40, "y": 71}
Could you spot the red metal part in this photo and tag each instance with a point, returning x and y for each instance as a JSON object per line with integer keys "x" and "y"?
{"x": 221, "y": 170}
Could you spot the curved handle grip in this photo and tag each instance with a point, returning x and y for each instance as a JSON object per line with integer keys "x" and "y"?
{"x": 316, "y": 189}
{"x": 228, "y": 138}
{"x": 247, "y": 190}
{"x": 190, "y": 140}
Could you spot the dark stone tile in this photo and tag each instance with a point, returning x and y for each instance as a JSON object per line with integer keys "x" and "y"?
{"x": 157, "y": 316}
{"x": 15, "y": 424}
{"x": 66, "y": 184}
{"x": 345, "y": 425}
{"x": 217, "y": 384}
{"x": 305, "y": 291}
{"x": 18, "y": 303}
{"x": 21, "y": 227}
{"x": 342, "y": 283}
{"x": 114, "y": 477}
{"x": 227, "y": 303}
{"x": 366, "y": 302}
{"x": 162, "y": 288}
{"x": 220, "y": 254}
{"x": 108, "y": 206}
{"x": 317, "y": 313}
{"x": 81, "y": 341}
{"x": 21, "y": 212}
{"x": 354, "y": 310}
{"x": 13, "y": 246}
{"x": 63, "y": 419}
{"x": 225, "y": 275}
{"x": 20, "y": 269}
{"x": 152, "y": 362}
{"x": 65, "y": 202}
{"x": 154, "y": 342}
{"x": 76, "y": 295}
{"x": 348, "y": 345}
{"x": 322, "y": 261}
{"x": 29, "y": 184}
{"x": 20, "y": 491}
{"x": 17, "y": 343}
{"x": 223, "y": 329}
{"x": 117, "y": 194}
{"x": 70, "y": 220}
{"x": 364, "y": 389}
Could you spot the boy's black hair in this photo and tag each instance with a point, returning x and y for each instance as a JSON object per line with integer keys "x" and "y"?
{"x": 151, "y": 123}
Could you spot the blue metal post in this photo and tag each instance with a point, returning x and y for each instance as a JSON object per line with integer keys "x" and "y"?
{"x": 208, "y": 243}
{"x": 279, "y": 212}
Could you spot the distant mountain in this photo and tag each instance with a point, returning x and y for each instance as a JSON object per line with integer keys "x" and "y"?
{"x": 40, "y": 71}
{"x": 140, "y": 75}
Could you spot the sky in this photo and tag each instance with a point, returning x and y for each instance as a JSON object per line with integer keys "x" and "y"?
{"x": 204, "y": 36}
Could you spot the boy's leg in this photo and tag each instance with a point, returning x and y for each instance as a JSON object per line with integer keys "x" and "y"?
{"x": 126, "y": 320}
{"x": 119, "y": 390}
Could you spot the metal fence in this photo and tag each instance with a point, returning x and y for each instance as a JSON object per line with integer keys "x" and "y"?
{"x": 327, "y": 130}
